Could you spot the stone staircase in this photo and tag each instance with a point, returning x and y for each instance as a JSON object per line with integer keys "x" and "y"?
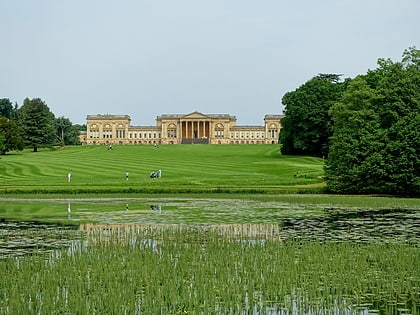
{"x": 194, "y": 141}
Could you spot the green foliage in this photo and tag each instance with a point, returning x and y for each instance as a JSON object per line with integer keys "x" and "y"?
{"x": 80, "y": 128}
{"x": 411, "y": 57}
{"x": 376, "y": 143}
{"x": 67, "y": 134}
{"x": 37, "y": 123}
{"x": 1, "y": 142}
{"x": 306, "y": 127}
{"x": 7, "y": 110}
{"x": 12, "y": 139}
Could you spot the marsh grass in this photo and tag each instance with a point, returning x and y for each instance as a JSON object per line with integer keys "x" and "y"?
{"x": 170, "y": 270}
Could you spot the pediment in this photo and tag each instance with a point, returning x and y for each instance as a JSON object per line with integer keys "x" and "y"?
{"x": 195, "y": 115}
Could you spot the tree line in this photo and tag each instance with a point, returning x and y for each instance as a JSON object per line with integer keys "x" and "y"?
{"x": 367, "y": 128}
{"x": 34, "y": 125}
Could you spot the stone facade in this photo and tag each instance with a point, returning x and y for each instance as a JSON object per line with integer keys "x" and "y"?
{"x": 180, "y": 129}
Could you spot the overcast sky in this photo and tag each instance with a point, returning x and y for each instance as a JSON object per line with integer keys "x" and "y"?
{"x": 148, "y": 58}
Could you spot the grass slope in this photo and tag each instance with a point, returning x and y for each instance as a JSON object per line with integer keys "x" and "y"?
{"x": 185, "y": 168}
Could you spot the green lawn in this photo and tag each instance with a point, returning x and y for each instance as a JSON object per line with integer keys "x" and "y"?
{"x": 185, "y": 168}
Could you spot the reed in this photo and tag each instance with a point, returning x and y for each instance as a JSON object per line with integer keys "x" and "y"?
{"x": 195, "y": 270}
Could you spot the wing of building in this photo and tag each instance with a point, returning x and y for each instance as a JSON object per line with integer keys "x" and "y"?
{"x": 180, "y": 129}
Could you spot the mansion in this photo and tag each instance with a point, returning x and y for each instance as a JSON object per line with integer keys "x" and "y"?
{"x": 180, "y": 129}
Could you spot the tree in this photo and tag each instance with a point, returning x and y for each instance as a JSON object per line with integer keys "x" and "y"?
{"x": 37, "y": 122}
{"x": 67, "y": 134}
{"x": 375, "y": 147}
{"x": 306, "y": 127}
{"x": 80, "y": 128}
{"x": 74, "y": 135}
{"x": 1, "y": 142}
{"x": 6, "y": 108}
{"x": 12, "y": 139}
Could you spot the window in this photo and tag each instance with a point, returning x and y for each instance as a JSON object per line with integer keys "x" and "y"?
{"x": 171, "y": 133}
{"x": 219, "y": 133}
{"x": 107, "y": 133}
{"x": 94, "y": 133}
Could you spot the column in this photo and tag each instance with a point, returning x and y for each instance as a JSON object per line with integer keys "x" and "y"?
{"x": 187, "y": 129}
{"x": 201, "y": 133}
{"x": 114, "y": 132}
{"x": 206, "y": 129}
{"x": 100, "y": 134}
{"x": 197, "y": 129}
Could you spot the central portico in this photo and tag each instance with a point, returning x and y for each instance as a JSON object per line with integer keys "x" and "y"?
{"x": 195, "y": 127}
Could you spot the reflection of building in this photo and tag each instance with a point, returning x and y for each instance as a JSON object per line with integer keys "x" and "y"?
{"x": 225, "y": 231}
{"x": 179, "y": 128}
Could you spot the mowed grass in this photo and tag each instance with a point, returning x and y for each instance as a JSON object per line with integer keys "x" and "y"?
{"x": 185, "y": 168}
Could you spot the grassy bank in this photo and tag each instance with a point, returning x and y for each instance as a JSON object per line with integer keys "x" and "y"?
{"x": 185, "y": 169}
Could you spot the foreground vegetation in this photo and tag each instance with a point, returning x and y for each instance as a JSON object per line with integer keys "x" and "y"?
{"x": 185, "y": 169}
{"x": 174, "y": 271}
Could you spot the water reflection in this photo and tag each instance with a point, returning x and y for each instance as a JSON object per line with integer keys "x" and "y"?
{"x": 157, "y": 208}
{"x": 23, "y": 238}
{"x": 292, "y": 221}
{"x": 339, "y": 224}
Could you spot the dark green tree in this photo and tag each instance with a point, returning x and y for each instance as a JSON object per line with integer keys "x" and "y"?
{"x": 6, "y": 108}
{"x": 12, "y": 139}
{"x": 1, "y": 141}
{"x": 74, "y": 135}
{"x": 67, "y": 134}
{"x": 306, "y": 126}
{"x": 37, "y": 123}
{"x": 375, "y": 146}
{"x": 80, "y": 128}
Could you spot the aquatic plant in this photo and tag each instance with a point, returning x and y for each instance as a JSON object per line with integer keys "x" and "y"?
{"x": 175, "y": 269}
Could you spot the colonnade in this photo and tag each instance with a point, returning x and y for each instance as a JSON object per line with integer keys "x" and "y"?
{"x": 195, "y": 129}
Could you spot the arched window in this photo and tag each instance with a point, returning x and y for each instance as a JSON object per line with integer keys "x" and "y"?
{"x": 219, "y": 131}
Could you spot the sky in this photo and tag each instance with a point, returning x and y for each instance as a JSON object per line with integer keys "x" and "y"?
{"x": 149, "y": 58}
